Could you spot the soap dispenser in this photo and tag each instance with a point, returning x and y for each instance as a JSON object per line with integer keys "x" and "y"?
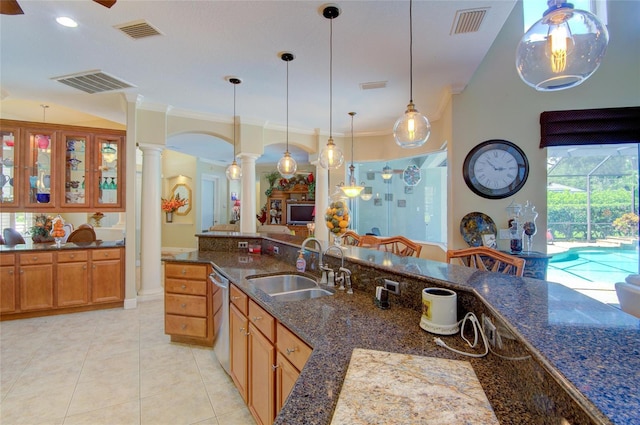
{"x": 301, "y": 263}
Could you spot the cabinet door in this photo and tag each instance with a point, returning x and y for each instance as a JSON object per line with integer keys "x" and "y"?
{"x": 286, "y": 377}
{"x": 106, "y": 281}
{"x": 76, "y": 177}
{"x": 108, "y": 184}
{"x": 36, "y": 287}
{"x": 9, "y": 164}
{"x": 262, "y": 402}
{"x": 7, "y": 289}
{"x": 239, "y": 344}
{"x": 40, "y": 168}
{"x": 72, "y": 284}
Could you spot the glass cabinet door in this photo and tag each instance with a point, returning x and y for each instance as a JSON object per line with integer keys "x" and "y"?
{"x": 40, "y": 168}
{"x": 9, "y": 161}
{"x": 110, "y": 153}
{"x": 76, "y": 169}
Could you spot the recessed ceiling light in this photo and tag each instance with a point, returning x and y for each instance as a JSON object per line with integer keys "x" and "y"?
{"x": 66, "y": 21}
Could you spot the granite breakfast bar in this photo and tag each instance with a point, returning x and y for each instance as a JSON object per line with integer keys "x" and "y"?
{"x": 564, "y": 359}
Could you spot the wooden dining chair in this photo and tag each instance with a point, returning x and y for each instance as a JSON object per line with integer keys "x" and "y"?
{"x": 488, "y": 259}
{"x": 369, "y": 241}
{"x": 401, "y": 246}
{"x": 82, "y": 234}
{"x": 12, "y": 237}
{"x": 351, "y": 238}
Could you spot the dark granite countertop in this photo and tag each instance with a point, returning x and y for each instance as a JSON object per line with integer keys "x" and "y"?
{"x": 591, "y": 348}
{"x": 51, "y": 246}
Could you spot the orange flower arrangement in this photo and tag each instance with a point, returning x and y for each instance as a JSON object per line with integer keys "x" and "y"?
{"x": 173, "y": 203}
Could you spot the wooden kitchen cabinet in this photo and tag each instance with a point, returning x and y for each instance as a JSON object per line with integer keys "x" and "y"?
{"x": 35, "y": 279}
{"x": 72, "y": 269}
{"x": 239, "y": 346}
{"x": 188, "y": 303}
{"x": 7, "y": 283}
{"x": 64, "y": 167}
{"x": 261, "y": 377}
{"x": 107, "y": 279}
{"x": 292, "y": 355}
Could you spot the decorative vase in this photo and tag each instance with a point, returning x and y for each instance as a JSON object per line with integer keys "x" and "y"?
{"x": 337, "y": 216}
{"x": 169, "y": 216}
{"x": 529, "y": 228}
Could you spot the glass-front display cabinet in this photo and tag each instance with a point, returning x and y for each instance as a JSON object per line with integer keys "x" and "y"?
{"x": 40, "y": 168}
{"x": 9, "y": 178}
{"x": 109, "y": 182}
{"x": 77, "y": 168}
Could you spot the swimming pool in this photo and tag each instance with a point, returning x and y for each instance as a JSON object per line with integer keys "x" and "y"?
{"x": 593, "y": 270}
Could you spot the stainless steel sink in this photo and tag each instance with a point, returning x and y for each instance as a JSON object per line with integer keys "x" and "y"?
{"x": 302, "y": 294}
{"x": 276, "y": 284}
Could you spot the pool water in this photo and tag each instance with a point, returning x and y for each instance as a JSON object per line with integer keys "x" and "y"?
{"x": 593, "y": 270}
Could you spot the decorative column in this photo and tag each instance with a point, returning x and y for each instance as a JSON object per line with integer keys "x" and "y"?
{"x": 322, "y": 201}
{"x": 248, "y": 195}
{"x": 150, "y": 225}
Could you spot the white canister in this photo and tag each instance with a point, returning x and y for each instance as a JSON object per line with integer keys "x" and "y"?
{"x": 439, "y": 311}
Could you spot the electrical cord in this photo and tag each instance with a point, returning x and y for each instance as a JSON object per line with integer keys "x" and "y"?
{"x": 477, "y": 328}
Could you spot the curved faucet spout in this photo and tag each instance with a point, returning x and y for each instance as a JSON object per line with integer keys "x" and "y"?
{"x": 312, "y": 239}
{"x": 339, "y": 250}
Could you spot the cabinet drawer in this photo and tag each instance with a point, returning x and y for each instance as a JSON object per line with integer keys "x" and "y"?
{"x": 189, "y": 305}
{"x": 105, "y": 254}
{"x": 186, "y": 271}
{"x": 239, "y": 299}
{"x": 72, "y": 256}
{"x": 187, "y": 326}
{"x": 36, "y": 258}
{"x": 7, "y": 260}
{"x": 292, "y": 347}
{"x": 184, "y": 286}
{"x": 262, "y": 320}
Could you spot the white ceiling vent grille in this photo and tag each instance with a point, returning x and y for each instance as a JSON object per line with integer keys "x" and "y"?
{"x": 93, "y": 82}
{"x": 373, "y": 85}
{"x": 138, "y": 29}
{"x": 468, "y": 20}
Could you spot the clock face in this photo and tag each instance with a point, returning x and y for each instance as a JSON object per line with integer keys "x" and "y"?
{"x": 495, "y": 169}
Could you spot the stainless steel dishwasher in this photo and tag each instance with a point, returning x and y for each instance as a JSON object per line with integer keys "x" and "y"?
{"x": 221, "y": 340}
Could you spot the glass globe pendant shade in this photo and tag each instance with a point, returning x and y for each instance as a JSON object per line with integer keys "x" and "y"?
{"x": 234, "y": 172}
{"x": 562, "y": 49}
{"x": 287, "y": 166}
{"x": 412, "y": 129}
{"x": 331, "y": 156}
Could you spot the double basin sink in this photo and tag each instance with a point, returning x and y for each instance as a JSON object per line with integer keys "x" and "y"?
{"x": 289, "y": 287}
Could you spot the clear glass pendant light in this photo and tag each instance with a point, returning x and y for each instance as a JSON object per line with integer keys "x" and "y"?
{"x": 353, "y": 189}
{"x": 287, "y": 166}
{"x": 234, "y": 172}
{"x": 331, "y": 156}
{"x": 562, "y": 49}
{"x": 412, "y": 129}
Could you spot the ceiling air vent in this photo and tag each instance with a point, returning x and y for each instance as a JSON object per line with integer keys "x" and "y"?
{"x": 138, "y": 29}
{"x": 93, "y": 82}
{"x": 373, "y": 85}
{"x": 468, "y": 20}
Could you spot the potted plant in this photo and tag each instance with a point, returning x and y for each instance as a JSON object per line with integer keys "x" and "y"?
{"x": 169, "y": 206}
{"x": 40, "y": 231}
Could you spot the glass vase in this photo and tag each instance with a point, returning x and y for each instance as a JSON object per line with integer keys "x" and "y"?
{"x": 337, "y": 216}
{"x": 529, "y": 227}
{"x": 57, "y": 230}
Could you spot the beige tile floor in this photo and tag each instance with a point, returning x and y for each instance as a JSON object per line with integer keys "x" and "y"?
{"x": 114, "y": 367}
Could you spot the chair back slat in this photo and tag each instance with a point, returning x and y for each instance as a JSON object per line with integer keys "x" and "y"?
{"x": 488, "y": 259}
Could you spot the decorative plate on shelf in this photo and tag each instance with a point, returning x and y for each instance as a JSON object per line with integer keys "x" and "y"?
{"x": 411, "y": 175}
{"x": 474, "y": 225}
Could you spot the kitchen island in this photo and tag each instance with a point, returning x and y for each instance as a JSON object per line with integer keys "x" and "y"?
{"x": 564, "y": 356}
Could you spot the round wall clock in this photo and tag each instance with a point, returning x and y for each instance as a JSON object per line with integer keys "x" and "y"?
{"x": 495, "y": 169}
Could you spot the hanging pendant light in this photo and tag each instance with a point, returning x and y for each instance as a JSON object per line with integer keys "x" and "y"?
{"x": 287, "y": 165}
{"x": 331, "y": 156}
{"x": 387, "y": 172}
{"x": 562, "y": 49}
{"x": 234, "y": 172}
{"x": 365, "y": 196}
{"x": 353, "y": 189}
{"x": 412, "y": 129}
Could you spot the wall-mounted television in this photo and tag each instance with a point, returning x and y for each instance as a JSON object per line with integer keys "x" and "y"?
{"x": 300, "y": 213}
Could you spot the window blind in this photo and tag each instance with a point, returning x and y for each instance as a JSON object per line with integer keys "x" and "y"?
{"x": 590, "y": 126}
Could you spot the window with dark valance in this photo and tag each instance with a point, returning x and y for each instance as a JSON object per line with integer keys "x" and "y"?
{"x": 590, "y": 127}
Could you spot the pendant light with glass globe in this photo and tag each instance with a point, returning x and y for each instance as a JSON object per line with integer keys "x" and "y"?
{"x": 562, "y": 49}
{"x": 287, "y": 166}
{"x": 412, "y": 129}
{"x": 331, "y": 156}
{"x": 353, "y": 189}
{"x": 234, "y": 172}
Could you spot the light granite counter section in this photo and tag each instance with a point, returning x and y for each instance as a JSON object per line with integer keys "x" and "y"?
{"x": 383, "y": 388}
